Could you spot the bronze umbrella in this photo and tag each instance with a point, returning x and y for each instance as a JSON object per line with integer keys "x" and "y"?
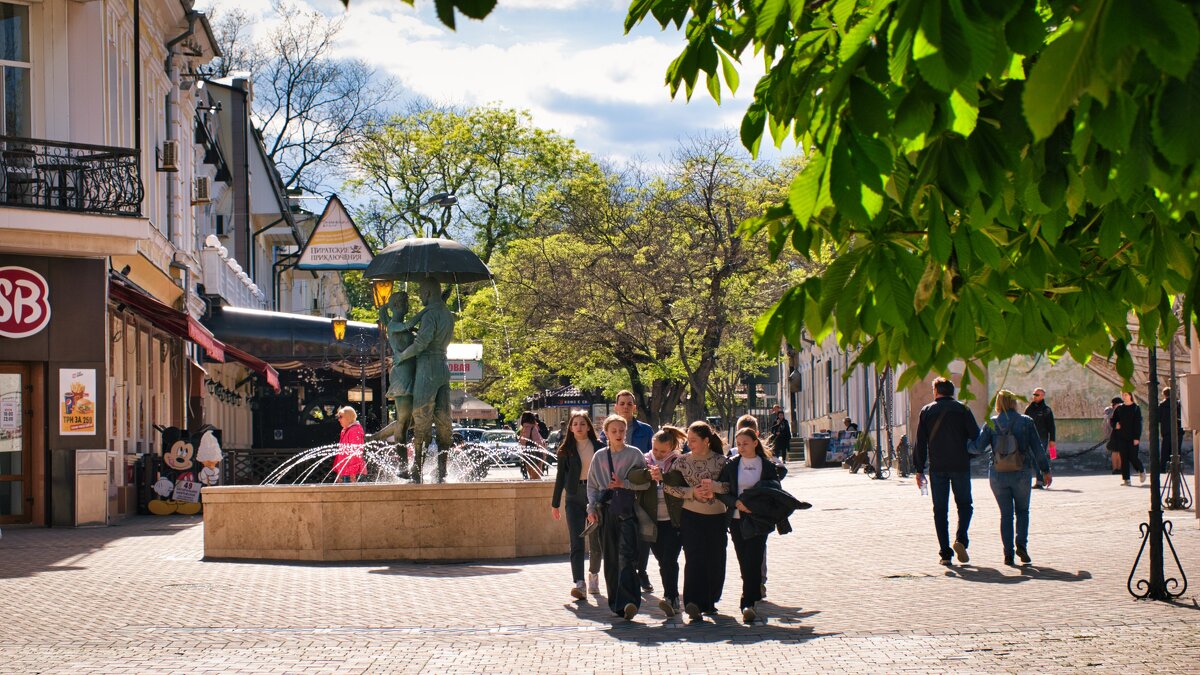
{"x": 414, "y": 259}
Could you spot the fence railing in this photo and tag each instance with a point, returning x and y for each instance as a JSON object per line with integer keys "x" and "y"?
{"x": 61, "y": 176}
{"x": 250, "y": 467}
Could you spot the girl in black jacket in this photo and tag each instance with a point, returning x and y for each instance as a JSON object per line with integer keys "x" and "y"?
{"x": 1127, "y": 430}
{"x": 753, "y": 463}
{"x": 574, "y": 460}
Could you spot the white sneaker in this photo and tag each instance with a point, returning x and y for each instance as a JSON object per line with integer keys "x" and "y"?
{"x": 1142, "y": 477}
{"x": 577, "y": 592}
{"x": 1125, "y": 482}
{"x": 594, "y": 584}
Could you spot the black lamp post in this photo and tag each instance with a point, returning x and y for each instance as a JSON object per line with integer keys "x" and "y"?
{"x": 381, "y": 291}
{"x": 1156, "y": 531}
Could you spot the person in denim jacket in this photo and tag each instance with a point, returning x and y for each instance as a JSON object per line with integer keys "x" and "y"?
{"x": 1011, "y": 488}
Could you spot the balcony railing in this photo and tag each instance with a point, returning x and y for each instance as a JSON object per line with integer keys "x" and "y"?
{"x": 60, "y": 176}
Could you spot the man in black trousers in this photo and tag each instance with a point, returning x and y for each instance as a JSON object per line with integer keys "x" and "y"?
{"x": 944, "y": 431}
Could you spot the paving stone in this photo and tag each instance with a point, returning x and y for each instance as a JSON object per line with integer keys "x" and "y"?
{"x": 856, "y": 588}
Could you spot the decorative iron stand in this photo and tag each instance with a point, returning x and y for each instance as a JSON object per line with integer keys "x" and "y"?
{"x": 1154, "y": 532}
{"x": 1177, "y": 496}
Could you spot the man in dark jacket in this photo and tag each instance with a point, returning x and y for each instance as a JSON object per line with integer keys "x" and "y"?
{"x": 781, "y": 435}
{"x": 944, "y": 430}
{"x": 1043, "y": 421}
{"x": 1166, "y": 441}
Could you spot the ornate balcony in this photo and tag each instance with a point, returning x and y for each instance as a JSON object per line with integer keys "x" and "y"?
{"x": 75, "y": 177}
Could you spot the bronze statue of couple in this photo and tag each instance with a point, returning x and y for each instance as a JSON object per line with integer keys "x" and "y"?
{"x": 420, "y": 379}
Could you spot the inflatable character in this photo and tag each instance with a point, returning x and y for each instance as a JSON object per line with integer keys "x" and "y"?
{"x": 176, "y": 488}
{"x": 209, "y": 454}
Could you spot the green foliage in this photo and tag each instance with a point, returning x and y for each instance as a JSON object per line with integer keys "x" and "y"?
{"x": 647, "y": 286}
{"x": 508, "y": 176}
{"x": 472, "y": 9}
{"x": 996, "y": 177}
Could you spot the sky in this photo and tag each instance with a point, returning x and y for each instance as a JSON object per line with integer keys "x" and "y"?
{"x": 568, "y": 62}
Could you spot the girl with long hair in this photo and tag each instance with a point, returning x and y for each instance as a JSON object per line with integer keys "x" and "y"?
{"x": 529, "y": 438}
{"x": 575, "y": 454}
{"x": 1127, "y": 430}
{"x": 1011, "y": 488}
{"x": 752, "y": 465}
{"x": 664, "y": 452}
{"x": 702, "y": 519}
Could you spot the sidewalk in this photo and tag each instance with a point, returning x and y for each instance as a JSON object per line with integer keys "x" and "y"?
{"x": 856, "y": 588}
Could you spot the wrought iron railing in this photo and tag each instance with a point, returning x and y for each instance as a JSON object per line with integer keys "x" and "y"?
{"x": 41, "y": 174}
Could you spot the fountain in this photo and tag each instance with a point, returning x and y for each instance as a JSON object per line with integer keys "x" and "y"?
{"x": 384, "y": 517}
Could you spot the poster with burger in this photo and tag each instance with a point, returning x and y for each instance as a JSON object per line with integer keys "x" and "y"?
{"x": 77, "y": 409}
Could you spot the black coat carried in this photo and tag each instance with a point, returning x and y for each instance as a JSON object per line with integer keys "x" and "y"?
{"x": 769, "y": 504}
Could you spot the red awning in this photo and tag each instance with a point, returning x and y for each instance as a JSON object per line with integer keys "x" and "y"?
{"x": 182, "y": 325}
{"x": 256, "y": 364}
{"x": 168, "y": 319}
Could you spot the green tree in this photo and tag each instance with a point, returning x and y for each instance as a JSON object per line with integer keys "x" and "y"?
{"x": 507, "y": 175}
{"x": 996, "y": 177}
{"x": 648, "y": 277}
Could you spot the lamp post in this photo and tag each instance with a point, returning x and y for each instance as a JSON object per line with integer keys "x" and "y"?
{"x": 339, "y": 335}
{"x": 381, "y": 292}
{"x": 444, "y": 200}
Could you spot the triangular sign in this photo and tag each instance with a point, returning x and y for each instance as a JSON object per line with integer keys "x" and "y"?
{"x": 336, "y": 243}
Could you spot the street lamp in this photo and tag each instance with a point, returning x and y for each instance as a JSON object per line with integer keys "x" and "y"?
{"x": 444, "y": 200}
{"x": 339, "y": 329}
{"x": 381, "y": 291}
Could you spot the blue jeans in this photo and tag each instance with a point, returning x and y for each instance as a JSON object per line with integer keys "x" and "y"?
{"x": 1012, "y": 490}
{"x": 940, "y": 485}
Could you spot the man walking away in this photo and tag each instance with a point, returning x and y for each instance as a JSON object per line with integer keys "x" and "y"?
{"x": 944, "y": 430}
{"x": 781, "y": 435}
{"x": 1167, "y": 440}
{"x": 1043, "y": 421}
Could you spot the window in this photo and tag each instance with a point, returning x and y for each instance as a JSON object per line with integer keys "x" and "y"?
{"x": 15, "y": 69}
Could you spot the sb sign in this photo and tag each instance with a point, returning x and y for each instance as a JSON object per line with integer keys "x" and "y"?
{"x": 24, "y": 302}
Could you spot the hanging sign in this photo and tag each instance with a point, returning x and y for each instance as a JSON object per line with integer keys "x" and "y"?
{"x": 76, "y": 401}
{"x": 24, "y": 302}
{"x": 336, "y": 243}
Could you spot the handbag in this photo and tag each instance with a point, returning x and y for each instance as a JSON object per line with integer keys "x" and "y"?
{"x": 619, "y": 500}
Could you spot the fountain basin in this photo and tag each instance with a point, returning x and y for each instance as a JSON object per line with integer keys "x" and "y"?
{"x": 456, "y": 521}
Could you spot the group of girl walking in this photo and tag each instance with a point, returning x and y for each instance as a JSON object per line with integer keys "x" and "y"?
{"x": 684, "y": 495}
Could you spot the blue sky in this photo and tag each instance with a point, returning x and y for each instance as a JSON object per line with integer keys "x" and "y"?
{"x": 566, "y": 61}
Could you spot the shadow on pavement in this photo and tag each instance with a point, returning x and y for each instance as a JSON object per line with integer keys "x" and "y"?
{"x": 988, "y": 575}
{"x": 650, "y": 627}
{"x": 28, "y": 551}
{"x": 442, "y": 570}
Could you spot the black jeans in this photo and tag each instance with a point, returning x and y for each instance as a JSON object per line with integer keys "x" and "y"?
{"x": 666, "y": 551}
{"x": 751, "y": 554}
{"x": 940, "y": 485}
{"x": 1129, "y": 457}
{"x": 576, "y": 520}
{"x": 619, "y": 542}
{"x": 704, "y": 541}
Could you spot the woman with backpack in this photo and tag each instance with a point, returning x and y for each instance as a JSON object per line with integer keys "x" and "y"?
{"x": 1017, "y": 452}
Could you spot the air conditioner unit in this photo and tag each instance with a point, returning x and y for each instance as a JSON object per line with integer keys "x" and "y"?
{"x": 168, "y": 157}
{"x": 200, "y": 195}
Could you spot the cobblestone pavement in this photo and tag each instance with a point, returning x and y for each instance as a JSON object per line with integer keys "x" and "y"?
{"x": 856, "y": 588}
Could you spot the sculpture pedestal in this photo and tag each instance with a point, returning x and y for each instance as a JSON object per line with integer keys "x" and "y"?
{"x": 460, "y": 521}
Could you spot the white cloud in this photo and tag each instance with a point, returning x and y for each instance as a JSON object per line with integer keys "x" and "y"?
{"x": 571, "y": 67}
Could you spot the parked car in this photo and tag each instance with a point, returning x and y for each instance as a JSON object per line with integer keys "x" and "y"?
{"x": 507, "y": 450}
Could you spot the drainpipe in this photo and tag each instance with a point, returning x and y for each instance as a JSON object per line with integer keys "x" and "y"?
{"x": 173, "y": 98}
{"x": 137, "y": 94}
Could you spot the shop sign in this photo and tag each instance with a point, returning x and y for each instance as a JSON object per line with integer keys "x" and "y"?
{"x": 24, "y": 302}
{"x": 336, "y": 243}
{"x": 471, "y": 371}
{"x": 10, "y": 415}
{"x": 76, "y": 404}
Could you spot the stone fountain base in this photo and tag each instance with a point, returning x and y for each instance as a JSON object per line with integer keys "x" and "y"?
{"x": 460, "y": 521}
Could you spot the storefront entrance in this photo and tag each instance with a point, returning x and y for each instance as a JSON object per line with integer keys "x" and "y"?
{"x": 16, "y": 496}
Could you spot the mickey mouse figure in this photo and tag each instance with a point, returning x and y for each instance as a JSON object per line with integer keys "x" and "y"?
{"x": 175, "y": 487}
